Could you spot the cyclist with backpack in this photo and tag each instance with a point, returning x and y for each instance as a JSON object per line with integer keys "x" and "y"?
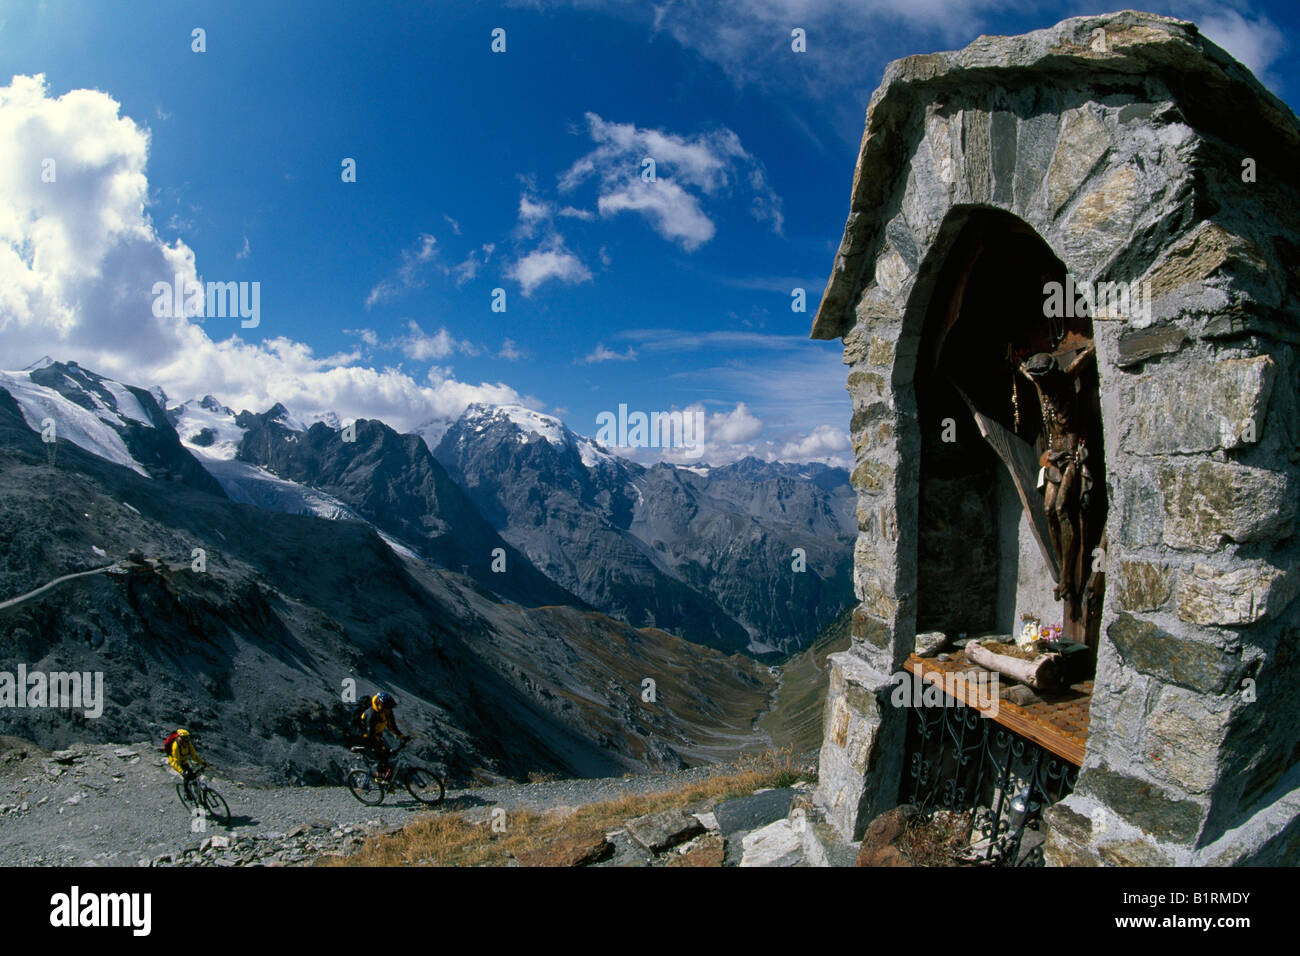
{"x": 371, "y": 718}
{"x": 182, "y": 756}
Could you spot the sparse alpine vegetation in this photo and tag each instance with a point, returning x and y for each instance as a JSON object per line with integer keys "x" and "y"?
{"x": 670, "y": 825}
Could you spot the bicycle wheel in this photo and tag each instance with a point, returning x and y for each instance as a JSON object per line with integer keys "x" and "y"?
{"x": 365, "y": 788}
{"x": 216, "y": 806}
{"x": 424, "y": 786}
{"x": 185, "y": 801}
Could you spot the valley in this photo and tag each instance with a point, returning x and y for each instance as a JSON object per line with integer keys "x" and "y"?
{"x": 333, "y": 567}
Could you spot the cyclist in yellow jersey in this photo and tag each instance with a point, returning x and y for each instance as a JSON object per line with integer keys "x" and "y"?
{"x": 377, "y": 718}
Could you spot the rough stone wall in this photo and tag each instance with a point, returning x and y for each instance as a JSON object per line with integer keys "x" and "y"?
{"x": 1193, "y": 750}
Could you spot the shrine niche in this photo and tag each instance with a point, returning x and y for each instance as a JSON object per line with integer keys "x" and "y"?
{"x": 1010, "y": 422}
{"x": 1097, "y": 503}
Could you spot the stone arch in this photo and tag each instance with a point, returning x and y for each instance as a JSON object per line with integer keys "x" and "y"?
{"x": 981, "y": 559}
{"x": 1069, "y": 177}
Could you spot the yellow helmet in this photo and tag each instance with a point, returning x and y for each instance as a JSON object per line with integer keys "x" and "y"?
{"x": 182, "y": 732}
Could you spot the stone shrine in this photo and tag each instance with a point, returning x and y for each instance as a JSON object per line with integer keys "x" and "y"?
{"x": 1069, "y": 297}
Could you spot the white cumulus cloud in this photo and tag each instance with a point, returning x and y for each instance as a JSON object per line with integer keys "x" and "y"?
{"x": 550, "y": 261}
{"x": 737, "y": 425}
{"x": 419, "y": 347}
{"x": 826, "y": 443}
{"x": 687, "y": 170}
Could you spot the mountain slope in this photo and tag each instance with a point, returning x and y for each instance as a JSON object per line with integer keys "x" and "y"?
{"x": 572, "y": 521}
{"x": 389, "y": 480}
{"x": 254, "y": 651}
{"x": 795, "y": 720}
{"x": 733, "y": 533}
{"x": 705, "y": 553}
{"x": 753, "y": 556}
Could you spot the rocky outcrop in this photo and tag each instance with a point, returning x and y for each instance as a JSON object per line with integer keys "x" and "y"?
{"x": 664, "y": 830}
{"x": 394, "y": 482}
{"x": 303, "y": 845}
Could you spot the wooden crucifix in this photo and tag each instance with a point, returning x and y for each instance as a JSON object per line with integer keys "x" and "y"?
{"x": 1064, "y": 477}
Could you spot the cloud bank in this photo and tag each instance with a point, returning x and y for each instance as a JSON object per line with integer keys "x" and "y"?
{"x": 79, "y": 255}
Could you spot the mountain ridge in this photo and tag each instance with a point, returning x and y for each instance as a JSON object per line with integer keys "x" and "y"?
{"x": 254, "y": 649}
{"x": 748, "y": 556}
{"x": 664, "y": 545}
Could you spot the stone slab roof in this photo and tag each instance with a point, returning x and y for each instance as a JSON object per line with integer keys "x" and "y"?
{"x": 1216, "y": 94}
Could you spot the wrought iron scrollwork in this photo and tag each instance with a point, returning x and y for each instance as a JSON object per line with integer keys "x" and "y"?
{"x": 960, "y": 760}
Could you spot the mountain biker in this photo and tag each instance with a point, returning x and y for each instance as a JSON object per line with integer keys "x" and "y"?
{"x": 375, "y": 719}
{"x": 182, "y": 756}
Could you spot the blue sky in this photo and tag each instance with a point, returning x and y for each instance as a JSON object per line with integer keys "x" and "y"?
{"x": 475, "y": 171}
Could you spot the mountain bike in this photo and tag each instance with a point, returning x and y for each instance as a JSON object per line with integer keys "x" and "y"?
{"x": 368, "y": 786}
{"x": 195, "y": 793}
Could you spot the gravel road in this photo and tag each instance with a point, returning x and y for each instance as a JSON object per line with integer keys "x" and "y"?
{"x": 113, "y": 805}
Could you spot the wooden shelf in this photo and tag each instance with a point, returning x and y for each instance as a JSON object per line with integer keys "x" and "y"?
{"x": 1058, "y": 723}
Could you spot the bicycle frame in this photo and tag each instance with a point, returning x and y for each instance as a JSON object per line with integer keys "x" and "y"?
{"x": 372, "y": 760}
{"x": 413, "y": 777}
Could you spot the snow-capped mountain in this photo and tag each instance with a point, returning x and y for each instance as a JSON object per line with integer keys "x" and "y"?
{"x": 209, "y": 431}
{"x": 531, "y": 425}
{"x": 117, "y": 422}
{"x": 207, "y": 428}
{"x": 251, "y": 649}
{"x": 703, "y": 552}
{"x": 391, "y": 481}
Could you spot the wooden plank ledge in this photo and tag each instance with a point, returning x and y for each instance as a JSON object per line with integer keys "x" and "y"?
{"x": 1058, "y": 722}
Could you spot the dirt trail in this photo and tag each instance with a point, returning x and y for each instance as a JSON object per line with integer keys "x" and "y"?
{"x": 49, "y": 584}
{"x": 112, "y": 805}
